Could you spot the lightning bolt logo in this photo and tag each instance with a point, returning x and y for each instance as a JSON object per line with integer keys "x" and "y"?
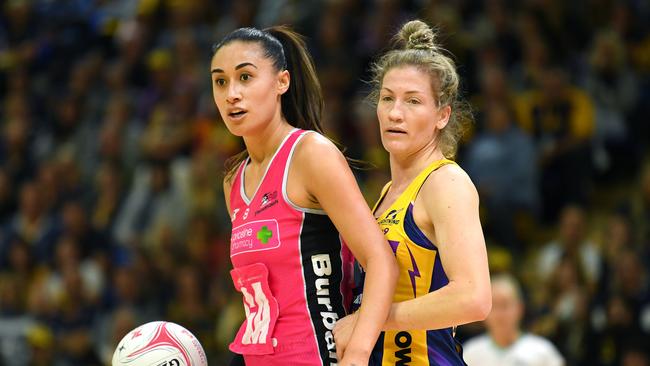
{"x": 393, "y": 245}
{"x": 415, "y": 272}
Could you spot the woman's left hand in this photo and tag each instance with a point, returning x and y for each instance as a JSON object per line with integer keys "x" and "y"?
{"x": 354, "y": 359}
{"x": 342, "y": 332}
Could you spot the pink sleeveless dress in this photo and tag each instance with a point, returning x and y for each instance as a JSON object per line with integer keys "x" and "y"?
{"x": 292, "y": 268}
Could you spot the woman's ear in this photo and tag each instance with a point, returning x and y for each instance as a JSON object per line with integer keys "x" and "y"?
{"x": 284, "y": 80}
{"x": 442, "y": 117}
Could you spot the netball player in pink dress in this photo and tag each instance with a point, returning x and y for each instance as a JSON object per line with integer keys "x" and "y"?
{"x": 295, "y": 209}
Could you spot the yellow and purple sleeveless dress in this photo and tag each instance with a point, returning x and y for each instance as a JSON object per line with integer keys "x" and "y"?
{"x": 420, "y": 272}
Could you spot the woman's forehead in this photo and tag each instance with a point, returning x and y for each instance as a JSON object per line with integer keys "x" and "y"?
{"x": 238, "y": 52}
{"x": 407, "y": 78}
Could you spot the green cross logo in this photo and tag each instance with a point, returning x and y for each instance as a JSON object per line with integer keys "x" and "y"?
{"x": 264, "y": 234}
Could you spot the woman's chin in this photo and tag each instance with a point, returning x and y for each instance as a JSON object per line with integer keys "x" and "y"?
{"x": 239, "y": 129}
{"x": 394, "y": 147}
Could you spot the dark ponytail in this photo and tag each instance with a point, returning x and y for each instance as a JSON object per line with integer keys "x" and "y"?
{"x": 302, "y": 104}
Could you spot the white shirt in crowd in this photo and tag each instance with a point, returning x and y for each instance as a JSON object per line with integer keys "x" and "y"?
{"x": 528, "y": 350}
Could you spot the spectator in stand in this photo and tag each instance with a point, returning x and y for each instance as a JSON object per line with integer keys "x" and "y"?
{"x": 32, "y": 224}
{"x": 614, "y": 89}
{"x": 617, "y": 337}
{"x": 14, "y": 322}
{"x": 564, "y": 314}
{"x": 505, "y": 343}
{"x": 571, "y": 243}
{"x": 640, "y": 203}
{"x": 73, "y": 321}
{"x": 157, "y": 198}
{"x": 635, "y": 355}
{"x": 188, "y": 305}
{"x": 528, "y": 72}
{"x": 7, "y": 197}
{"x": 106, "y": 199}
{"x": 16, "y": 154}
{"x": 560, "y": 119}
{"x": 41, "y": 343}
{"x": 499, "y": 162}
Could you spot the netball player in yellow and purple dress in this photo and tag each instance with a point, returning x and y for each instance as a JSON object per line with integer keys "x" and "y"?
{"x": 429, "y": 210}
{"x": 292, "y": 197}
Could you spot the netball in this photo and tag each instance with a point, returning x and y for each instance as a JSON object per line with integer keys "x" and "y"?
{"x": 159, "y": 343}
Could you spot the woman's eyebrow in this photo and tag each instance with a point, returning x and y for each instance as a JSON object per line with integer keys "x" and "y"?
{"x": 243, "y": 64}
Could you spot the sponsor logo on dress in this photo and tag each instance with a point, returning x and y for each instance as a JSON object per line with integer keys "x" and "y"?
{"x": 255, "y": 236}
{"x": 403, "y": 340}
{"x": 268, "y": 200}
{"x": 322, "y": 267}
{"x": 391, "y": 217}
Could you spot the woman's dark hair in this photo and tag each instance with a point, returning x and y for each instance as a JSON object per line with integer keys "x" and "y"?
{"x": 302, "y": 104}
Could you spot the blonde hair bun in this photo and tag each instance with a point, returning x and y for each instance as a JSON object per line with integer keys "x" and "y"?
{"x": 417, "y": 35}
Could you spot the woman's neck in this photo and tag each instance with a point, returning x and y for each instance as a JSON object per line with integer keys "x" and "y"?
{"x": 506, "y": 339}
{"x": 263, "y": 145}
{"x": 404, "y": 168}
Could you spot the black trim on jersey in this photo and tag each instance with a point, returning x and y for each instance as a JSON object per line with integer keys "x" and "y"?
{"x": 377, "y": 355}
{"x": 320, "y": 247}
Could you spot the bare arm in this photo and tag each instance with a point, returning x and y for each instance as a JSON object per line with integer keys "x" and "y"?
{"x": 327, "y": 177}
{"x": 448, "y": 203}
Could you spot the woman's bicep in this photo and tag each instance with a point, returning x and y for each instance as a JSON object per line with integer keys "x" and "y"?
{"x": 329, "y": 179}
{"x": 451, "y": 203}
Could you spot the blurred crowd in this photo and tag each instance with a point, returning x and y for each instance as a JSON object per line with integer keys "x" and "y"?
{"x": 112, "y": 152}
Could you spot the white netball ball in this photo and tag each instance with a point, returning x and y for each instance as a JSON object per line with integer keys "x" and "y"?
{"x": 159, "y": 344}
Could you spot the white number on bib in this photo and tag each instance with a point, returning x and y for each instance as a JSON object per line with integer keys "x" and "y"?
{"x": 261, "y": 308}
{"x": 257, "y": 321}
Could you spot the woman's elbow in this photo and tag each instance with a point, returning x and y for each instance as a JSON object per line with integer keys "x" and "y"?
{"x": 481, "y": 304}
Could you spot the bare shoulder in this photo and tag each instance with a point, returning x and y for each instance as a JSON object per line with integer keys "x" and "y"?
{"x": 315, "y": 150}
{"x": 315, "y": 164}
{"x": 227, "y": 184}
{"x": 449, "y": 182}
